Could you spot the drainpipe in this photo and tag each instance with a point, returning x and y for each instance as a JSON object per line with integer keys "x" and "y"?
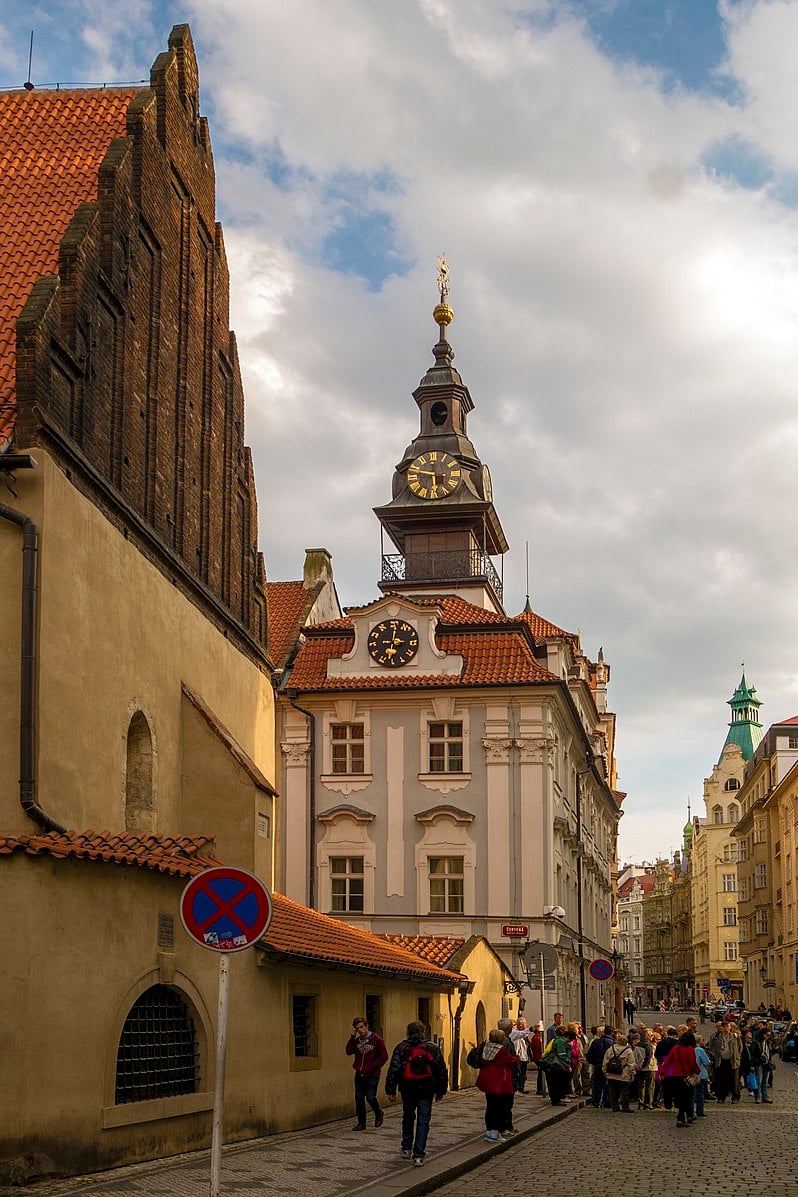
{"x": 27, "y": 702}
{"x": 292, "y": 695}
{"x": 464, "y": 990}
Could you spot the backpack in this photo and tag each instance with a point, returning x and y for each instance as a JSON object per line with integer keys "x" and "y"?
{"x": 614, "y": 1065}
{"x": 417, "y": 1063}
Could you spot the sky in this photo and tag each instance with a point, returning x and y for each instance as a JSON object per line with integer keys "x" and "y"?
{"x": 615, "y": 186}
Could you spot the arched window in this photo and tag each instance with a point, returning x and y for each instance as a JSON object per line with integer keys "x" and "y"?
{"x": 481, "y": 1024}
{"x": 139, "y": 790}
{"x": 717, "y": 814}
{"x": 158, "y": 1052}
{"x": 732, "y": 784}
{"x": 734, "y": 813}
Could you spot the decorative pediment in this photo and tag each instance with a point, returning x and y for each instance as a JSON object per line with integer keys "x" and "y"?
{"x": 344, "y": 810}
{"x": 455, "y": 813}
{"x": 427, "y": 660}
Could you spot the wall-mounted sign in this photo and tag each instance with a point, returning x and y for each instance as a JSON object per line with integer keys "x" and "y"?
{"x": 515, "y": 930}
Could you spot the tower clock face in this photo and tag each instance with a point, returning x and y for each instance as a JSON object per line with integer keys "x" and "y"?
{"x": 393, "y": 642}
{"x": 434, "y": 475}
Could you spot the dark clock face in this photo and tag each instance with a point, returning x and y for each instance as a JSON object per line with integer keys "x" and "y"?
{"x": 393, "y": 642}
{"x": 433, "y": 475}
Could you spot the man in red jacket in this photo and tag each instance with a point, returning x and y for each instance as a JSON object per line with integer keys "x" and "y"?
{"x": 370, "y": 1054}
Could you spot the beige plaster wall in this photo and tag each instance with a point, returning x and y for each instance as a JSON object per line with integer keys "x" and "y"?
{"x": 115, "y": 636}
{"x": 65, "y": 1002}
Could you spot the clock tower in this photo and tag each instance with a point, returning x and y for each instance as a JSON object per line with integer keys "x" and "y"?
{"x": 441, "y": 517}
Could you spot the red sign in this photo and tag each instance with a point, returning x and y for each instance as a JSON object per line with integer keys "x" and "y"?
{"x": 226, "y": 909}
{"x": 515, "y": 931}
{"x": 601, "y": 970}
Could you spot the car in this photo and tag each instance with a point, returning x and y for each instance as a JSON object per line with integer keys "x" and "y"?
{"x": 789, "y": 1042}
{"x": 719, "y": 1010}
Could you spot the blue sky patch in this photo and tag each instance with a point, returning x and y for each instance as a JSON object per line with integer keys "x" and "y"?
{"x": 364, "y": 245}
{"x": 740, "y": 161}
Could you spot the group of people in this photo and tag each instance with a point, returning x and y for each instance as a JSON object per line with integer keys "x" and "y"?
{"x": 660, "y": 1068}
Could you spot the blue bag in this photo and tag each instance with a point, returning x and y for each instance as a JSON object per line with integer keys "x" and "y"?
{"x": 751, "y": 1083}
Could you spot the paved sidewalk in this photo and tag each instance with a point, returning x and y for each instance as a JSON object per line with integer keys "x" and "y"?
{"x": 326, "y": 1160}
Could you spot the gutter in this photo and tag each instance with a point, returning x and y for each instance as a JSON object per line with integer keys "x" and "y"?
{"x": 311, "y": 718}
{"x": 27, "y": 700}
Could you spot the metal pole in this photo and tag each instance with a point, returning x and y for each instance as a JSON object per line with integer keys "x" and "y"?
{"x": 218, "y": 1089}
{"x": 542, "y": 997}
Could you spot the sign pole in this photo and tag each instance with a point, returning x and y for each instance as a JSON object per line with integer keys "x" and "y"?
{"x": 542, "y": 997}
{"x": 218, "y": 1089}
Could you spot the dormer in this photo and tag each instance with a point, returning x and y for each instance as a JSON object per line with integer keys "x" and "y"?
{"x": 395, "y": 636}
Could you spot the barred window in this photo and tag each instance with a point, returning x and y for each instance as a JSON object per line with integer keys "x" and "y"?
{"x": 158, "y": 1054}
{"x": 346, "y": 883}
{"x": 445, "y": 884}
{"x": 303, "y": 1018}
{"x": 446, "y": 747}
{"x": 348, "y": 747}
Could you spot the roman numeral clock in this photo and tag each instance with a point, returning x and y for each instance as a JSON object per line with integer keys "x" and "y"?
{"x": 433, "y": 475}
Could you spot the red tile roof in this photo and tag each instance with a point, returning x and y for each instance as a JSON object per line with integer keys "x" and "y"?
{"x": 298, "y": 932}
{"x": 646, "y": 884}
{"x": 544, "y": 629}
{"x": 438, "y": 949}
{"x": 295, "y": 930}
{"x": 496, "y": 651}
{"x": 183, "y": 855}
{"x": 290, "y": 605}
{"x": 52, "y": 146}
{"x": 787, "y": 722}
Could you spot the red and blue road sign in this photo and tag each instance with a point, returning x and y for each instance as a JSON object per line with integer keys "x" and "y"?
{"x": 601, "y": 970}
{"x": 226, "y": 909}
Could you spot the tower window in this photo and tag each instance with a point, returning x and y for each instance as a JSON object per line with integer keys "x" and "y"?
{"x": 439, "y": 413}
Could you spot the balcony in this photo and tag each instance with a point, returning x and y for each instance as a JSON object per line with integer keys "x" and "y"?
{"x": 457, "y": 565}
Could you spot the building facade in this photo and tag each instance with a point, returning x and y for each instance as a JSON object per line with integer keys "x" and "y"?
{"x": 634, "y": 883}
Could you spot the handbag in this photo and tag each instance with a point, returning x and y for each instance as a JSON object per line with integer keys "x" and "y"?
{"x": 693, "y": 1080}
{"x": 752, "y": 1083}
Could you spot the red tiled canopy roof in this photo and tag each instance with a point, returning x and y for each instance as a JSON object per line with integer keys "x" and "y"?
{"x": 52, "y": 146}
{"x": 496, "y": 651}
{"x": 295, "y": 931}
{"x": 438, "y": 949}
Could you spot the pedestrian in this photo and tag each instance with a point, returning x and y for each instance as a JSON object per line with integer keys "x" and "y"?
{"x": 418, "y": 1070}
{"x": 520, "y": 1040}
{"x": 679, "y": 1073}
{"x": 619, "y": 1066}
{"x": 704, "y": 1065}
{"x": 764, "y": 1073}
{"x": 559, "y": 1021}
{"x": 702, "y": 1009}
{"x": 632, "y": 1011}
{"x": 556, "y": 1061}
{"x": 635, "y": 1043}
{"x": 580, "y": 1081}
{"x": 726, "y": 1051}
{"x": 370, "y": 1053}
{"x": 666, "y": 1043}
{"x": 647, "y": 1072}
{"x": 595, "y": 1057}
{"x": 536, "y": 1051}
{"x": 497, "y": 1079}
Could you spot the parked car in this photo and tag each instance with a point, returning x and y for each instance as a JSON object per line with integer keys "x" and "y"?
{"x": 779, "y": 1029}
{"x": 719, "y": 1010}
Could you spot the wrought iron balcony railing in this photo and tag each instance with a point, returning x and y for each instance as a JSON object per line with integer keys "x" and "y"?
{"x": 448, "y": 566}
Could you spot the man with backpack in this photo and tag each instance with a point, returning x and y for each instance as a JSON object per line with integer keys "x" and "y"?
{"x": 418, "y": 1070}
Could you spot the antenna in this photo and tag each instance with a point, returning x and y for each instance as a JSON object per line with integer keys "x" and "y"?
{"x": 526, "y": 548}
{"x": 28, "y": 85}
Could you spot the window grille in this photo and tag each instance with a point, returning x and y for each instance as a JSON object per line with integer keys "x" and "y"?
{"x": 158, "y": 1054}
{"x": 303, "y": 1014}
{"x": 446, "y": 748}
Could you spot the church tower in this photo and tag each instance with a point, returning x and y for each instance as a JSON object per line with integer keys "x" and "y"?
{"x": 441, "y": 517}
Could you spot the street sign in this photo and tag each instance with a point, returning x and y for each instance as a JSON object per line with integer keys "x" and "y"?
{"x": 225, "y": 909}
{"x": 534, "y": 952}
{"x": 534, "y": 982}
{"x": 515, "y": 930}
{"x": 601, "y": 970}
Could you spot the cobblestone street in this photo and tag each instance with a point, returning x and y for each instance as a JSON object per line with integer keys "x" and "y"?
{"x": 734, "y": 1151}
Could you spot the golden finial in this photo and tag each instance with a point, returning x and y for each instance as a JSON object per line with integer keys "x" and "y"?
{"x": 442, "y": 314}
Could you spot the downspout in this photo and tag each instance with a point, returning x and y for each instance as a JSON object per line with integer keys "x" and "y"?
{"x": 27, "y": 700}
{"x": 458, "y": 1015}
{"x": 311, "y": 718}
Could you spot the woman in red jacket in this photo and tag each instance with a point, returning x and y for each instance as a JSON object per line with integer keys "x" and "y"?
{"x": 679, "y": 1064}
{"x": 497, "y": 1068}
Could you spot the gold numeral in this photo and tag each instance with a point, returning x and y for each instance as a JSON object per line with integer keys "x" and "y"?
{"x": 433, "y": 456}
{"x": 422, "y": 490}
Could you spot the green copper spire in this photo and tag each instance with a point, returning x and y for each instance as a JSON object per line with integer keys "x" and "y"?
{"x": 745, "y": 730}
{"x": 687, "y": 830}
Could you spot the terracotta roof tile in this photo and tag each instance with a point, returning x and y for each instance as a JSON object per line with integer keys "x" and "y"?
{"x": 294, "y": 931}
{"x": 182, "y": 856}
{"x": 453, "y": 609}
{"x": 438, "y": 949}
{"x": 544, "y": 629}
{"x": 491, "y": 658}
{"x": 52, "y": 146}
{"x": 646, "y": 884}
{"x": 290, "y": 604}
{"x": 297, "y": 931}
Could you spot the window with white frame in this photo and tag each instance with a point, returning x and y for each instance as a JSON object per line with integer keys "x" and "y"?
{"x": 346, "y": 884}
{"x": 742, "y": 890}
{"x": 446, "y": 747}
{"x": 742, "y": 849}
{"x": 734, "y": 812}
{"x": 729, "y": 916}
{"x": 760, "y": 876}
{"x": 717, "y": 814}
{"x": 732, "y": 784}
{"x": 729, "y": 950}
{"x": 759, "y": 831}
{"x": 761, "y": 922}
{"x": 446, "y": 876}
{"x": 347, "y": 747}
{"x": 729, "y": 883}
